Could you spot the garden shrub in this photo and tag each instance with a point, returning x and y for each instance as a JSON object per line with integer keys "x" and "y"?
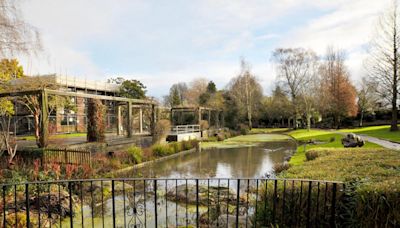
{"x": 244, "y": 129}
{"x": 135, "y": 154}
{"x": 280, "y": 167}
{"x": 311, "y": 155}
{"x": 190, "y": 144}
{"x": 161, "y": 130}
{"x": 211, "y": 139}
{"x": 220, "y": 136}
{"x": 204, "y": 125}
{"x": 162, "y": 150}
{"x": 177, "y": 146}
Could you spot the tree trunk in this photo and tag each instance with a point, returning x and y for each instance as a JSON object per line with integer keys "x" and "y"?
{"x": 37, "y": 128}
{"x": 393, "y": 126}
{"x": 361, "y": 118}
{"x": 308, "y": 121}
{"x": 295, "y": 121}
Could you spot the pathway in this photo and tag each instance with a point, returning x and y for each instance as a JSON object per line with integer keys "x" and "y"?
{"x": 381, "y": 142}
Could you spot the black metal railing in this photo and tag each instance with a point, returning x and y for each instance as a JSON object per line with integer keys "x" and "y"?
{"x": 171, "y": 202}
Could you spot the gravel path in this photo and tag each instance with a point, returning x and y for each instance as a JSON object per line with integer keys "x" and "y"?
{"x": 381, "y": 142}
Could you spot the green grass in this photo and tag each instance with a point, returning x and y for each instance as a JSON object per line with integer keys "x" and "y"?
{"x": 268, "y": 130}
{"x": 57, "y": 136}
{"x": 375, "y": 168}
{"x": 373, "y": 174}
{"x": 245, "y": 140}
{"x": 382, "y": 132}
{"x": 327, "y": 139}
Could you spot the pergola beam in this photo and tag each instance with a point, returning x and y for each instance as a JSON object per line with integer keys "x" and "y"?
{"x": 75, "y": 94}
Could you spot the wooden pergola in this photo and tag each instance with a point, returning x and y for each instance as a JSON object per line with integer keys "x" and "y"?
{"x": 131, "y": 103}
{"x": 199, "y": 111}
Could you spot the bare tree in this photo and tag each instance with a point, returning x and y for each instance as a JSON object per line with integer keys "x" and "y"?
{"x": 196, "y": 88}
{"x": 16, "y": 36}
{"x": 338, "y": 93}
{"x": 383, "y": 62}
{"x": 367, "y": 98}
{"x": 296, "y": 69}
{"x": 247, "y": 92}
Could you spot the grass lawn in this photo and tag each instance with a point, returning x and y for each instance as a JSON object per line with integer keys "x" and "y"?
{"x": 331, "y": 140}
{"x": 376, "y": 169}
{"x": 376, "y": 177}
{"x": 245, "y": 140}
{"x": 382, "y": 132}
{"x": 268, "y": 130}
{"x": 58, "y": 136}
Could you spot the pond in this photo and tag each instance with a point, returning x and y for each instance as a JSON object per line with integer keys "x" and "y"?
{"x": 253, "y": 161}
{"x": 244, "y": 161}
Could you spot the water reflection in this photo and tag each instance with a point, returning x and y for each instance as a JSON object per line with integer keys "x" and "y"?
{"x": 242, "y": 162}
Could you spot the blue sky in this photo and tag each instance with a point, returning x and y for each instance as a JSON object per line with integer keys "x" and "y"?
{"x": 161, "y": 42}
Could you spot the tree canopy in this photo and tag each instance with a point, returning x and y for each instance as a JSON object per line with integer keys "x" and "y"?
{"x": 130, "y": 88}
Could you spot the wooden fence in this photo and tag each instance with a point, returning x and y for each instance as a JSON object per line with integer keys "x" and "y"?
{"x": 67, "y": 156}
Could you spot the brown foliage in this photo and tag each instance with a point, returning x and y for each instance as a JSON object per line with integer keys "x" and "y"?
{"x": 161, "y": 130}
{"x": 338, "y": 93}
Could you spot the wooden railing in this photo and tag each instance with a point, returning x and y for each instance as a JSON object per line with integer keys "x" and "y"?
{"x": 181, "y": 129}
{"x": 67, "y": 156}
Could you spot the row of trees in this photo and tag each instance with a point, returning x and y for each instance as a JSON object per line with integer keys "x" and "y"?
{"x": 309, "y": 87}
{"x": 316, "y": 87}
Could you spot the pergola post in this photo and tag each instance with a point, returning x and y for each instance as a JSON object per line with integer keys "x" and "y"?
{"x": 222, "y": 119}
{"x": 209, "y": 118}
{"x": 199, "y": 116}
{"x": 153, "y": 119}
{"x": 130, "y": 119}
{"x": 119, "y": 120}
{"x": 44, "y": 123}
{"x": 140, "y": 120}
{"x": 171, "y": 116}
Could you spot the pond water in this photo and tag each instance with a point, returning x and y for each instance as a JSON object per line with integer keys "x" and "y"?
{"x": 137, "y": 209}
{"x": 238, "y": 162}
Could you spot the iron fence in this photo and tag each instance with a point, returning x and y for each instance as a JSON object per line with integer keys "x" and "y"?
{"x": 171, "y": 203}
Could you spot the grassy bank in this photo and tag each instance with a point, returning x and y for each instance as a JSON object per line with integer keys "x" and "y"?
{"x": 321, "y": 139}
{"x": 381, "y": 132}
{"x": 55, "y": 136}
{"x": 245, "y": 140}
{"x": 268, "y": 130}
{"x": 373, "y": 174}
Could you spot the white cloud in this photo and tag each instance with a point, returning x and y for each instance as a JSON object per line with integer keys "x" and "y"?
{"x": 162, "y": 43}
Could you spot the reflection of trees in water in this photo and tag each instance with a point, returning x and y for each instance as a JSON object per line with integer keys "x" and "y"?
{"x": 224, "y": 162}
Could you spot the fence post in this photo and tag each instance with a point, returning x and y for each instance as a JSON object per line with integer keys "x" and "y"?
{"x": 197, "y": 203}
{"x": 4, "y": 206}
{"x": 65, "y": 156}
{"x": 155, "y": 202}
{"x": 113, "y": 202}
{"x": 70, "y": 204}
{"x": 237, "y": 202}
{"x": 27, "y": 205}
{"x": 90, "y": 159}
{"x": 333, "y": 215}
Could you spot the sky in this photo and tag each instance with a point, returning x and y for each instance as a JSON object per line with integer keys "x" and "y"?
{"x": 162, "y": 42}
